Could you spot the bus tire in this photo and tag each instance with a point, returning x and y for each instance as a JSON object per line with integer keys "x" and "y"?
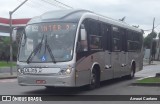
{"x": 132, "y": 73}
{"x": 95, "y": 79}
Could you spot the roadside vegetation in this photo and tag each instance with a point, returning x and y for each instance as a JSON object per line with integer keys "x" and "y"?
{"x": 149, "y": 80}
{"x": 5, "y": 53}
{"x": 5, "y": 64}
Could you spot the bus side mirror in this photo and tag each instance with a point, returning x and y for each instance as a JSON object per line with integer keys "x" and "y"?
{"x": 83, "y": 33}
{"x": 14, "y": 34}
{"x": 17, "y": 34}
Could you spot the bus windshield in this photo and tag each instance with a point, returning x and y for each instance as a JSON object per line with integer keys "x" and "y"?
{"x": 47, "y": 42}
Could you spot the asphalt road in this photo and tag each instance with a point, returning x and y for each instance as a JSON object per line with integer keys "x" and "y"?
{"x": 119, "y": 86}
{"x": 112, "y": 87}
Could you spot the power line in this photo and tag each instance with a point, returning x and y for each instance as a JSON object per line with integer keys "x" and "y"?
{"x": 147, "y": 30}
{"x": 63, "y": 4}
{"x": 157, "y": 25}
{"x": 158, "y": 29}
{"x": 31, "y": 6}
{"x": 51, "y": 3}
{"x": 39, "y": 5}
{"x": 39, "y": 8}
{"x": 151, "y": 29}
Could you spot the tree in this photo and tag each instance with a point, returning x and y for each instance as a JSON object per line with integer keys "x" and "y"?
{"x": 148, "y": 39}
{"x": 4, "y": 49}
{"x": 153, "y": 34}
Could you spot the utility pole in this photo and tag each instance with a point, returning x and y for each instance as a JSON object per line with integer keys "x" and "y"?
{"x": 158, "y": 46}
{"x": 150, "y": 57}
{"x": 10, "y": 23}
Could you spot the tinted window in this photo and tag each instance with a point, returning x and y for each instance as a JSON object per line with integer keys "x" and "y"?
{"x": 93, "y": 31}
{"x": 116, "y": 40}
{"x": 95, "y": 42}
{"x": 105, "y": 31}
{"x": 134, "y": 41}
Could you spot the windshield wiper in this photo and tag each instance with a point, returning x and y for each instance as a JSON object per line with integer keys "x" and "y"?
{"x": 34, "y": 52}
{"x": 25, "y": 38}
{"x": 49, "y": 50}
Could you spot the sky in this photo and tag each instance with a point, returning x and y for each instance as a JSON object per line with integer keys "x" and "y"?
{"x": 137, "y": 12}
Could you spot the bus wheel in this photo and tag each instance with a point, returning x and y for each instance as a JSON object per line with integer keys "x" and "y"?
{"x": 131, "y": 76}
{"x": 95, "y": 80}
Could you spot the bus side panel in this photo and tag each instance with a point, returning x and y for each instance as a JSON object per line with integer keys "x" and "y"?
{"x": 131, "y": 57}
{"x": 139, "y": 61}
{"x": 123, "y": 63}
{"x": 116, "y": 64}
{"x": 84, "y": 68}
{"x": 107, "y": 72}
{"x": 138, "y": 58}
{"x": 83, "y": 72}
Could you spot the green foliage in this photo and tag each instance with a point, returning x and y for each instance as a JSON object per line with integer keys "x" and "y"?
{"x": 5, "y": 47}
{"x": 148, "y": 39}
{"x": 150, "y": 80}
{"x": 153, "y": 34}
{"x": 147, "y": 42}
{"x": 5, "y": 64}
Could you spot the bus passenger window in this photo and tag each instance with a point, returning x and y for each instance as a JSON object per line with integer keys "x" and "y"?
{"x": 116, "y": 44}
{"x": 84, "y": 45}
{"x": 95, "y": 42}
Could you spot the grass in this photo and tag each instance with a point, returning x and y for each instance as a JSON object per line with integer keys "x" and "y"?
{"x": 149, "y": 80}
{"x": 5, "y": 64}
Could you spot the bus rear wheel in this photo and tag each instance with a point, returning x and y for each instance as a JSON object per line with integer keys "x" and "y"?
{"x": 132, "y": 73}
{"x": 95, "y": 80}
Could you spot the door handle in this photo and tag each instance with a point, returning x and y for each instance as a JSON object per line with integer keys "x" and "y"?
{"x": 123, "y": 65}
{"x": 108, "y": 66}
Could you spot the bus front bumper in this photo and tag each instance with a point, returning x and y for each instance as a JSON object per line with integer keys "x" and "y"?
{"x": 36, "y": 80}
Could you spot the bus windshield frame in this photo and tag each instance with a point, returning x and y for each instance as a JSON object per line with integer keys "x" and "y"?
{"x": 48, "y": 42}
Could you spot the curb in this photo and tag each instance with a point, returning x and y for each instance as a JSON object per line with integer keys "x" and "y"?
{"x": 149, "y": 64}
{"x": 7, "y": 69}
{"x": 146, "y": 84}
{"x": 9, "y": 77}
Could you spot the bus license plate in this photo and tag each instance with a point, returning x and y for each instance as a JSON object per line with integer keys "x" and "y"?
{"x": 40, "y": 82}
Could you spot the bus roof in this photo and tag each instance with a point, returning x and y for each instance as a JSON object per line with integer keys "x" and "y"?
{"x": 74, "y": 15}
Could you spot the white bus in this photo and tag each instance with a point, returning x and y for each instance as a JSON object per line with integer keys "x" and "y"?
{"x": 71, "y": 48}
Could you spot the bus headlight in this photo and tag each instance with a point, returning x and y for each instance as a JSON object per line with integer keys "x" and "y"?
{"x": 65, "y": 71}
{"x": 20, "y": 71}
{"x": 68, "y": 71}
